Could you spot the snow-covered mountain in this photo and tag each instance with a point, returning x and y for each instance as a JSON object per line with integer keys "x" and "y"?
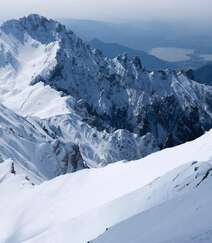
{"x": 65, "y": 107}
{"x": 111, "y": 109}
{"x": 30, "y": 48}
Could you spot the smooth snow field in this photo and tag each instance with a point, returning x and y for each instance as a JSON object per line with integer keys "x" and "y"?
{"x": 183, "y": 220}
{"x": 81, "y": 206}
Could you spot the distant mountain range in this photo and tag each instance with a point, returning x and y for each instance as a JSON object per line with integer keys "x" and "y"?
{"x": 144, "y": 35}
{"x": 140, "y": 38}
{"x": 203, "y": 74}
{"x": 112, "y": 50}
{"x": 149, "y": 61}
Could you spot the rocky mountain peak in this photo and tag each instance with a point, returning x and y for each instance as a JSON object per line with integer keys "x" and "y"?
{"x": 38, "y": 27}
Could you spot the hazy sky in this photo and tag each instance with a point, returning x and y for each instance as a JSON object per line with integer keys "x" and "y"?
{"x": 109, "y": 9}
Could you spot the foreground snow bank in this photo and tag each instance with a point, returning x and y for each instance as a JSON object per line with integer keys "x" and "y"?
{"x": 186, "y": 219}
{"x": 80, "y": 206}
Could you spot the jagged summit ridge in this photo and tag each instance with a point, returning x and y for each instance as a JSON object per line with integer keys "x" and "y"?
{"x": 112, "y": 103}
{"x": 40, "y": 28}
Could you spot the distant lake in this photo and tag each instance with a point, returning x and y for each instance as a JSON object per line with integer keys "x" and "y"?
{"x": 172, "y": 54}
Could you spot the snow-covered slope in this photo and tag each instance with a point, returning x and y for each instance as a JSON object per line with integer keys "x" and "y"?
{"x": 29, "y": 149}
{"x": 22, "y": 59}
{"x": 81, "y": 206}
{"x": 186, "y": 219}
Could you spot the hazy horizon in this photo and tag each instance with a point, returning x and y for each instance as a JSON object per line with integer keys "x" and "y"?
{"x": 120, "y": 10}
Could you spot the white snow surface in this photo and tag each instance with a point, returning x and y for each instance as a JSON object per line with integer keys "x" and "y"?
{"x": 185, "y": 219}
{"x": 79, "y": 207}
{"x": 31, "y": 149}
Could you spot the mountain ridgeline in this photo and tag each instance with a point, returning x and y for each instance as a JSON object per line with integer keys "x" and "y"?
{"x": 110, "y": 108}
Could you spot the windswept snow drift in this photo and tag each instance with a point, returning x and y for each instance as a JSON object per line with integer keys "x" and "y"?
{"x": 186, "y": 219}
{"x": 79, "y": 207}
